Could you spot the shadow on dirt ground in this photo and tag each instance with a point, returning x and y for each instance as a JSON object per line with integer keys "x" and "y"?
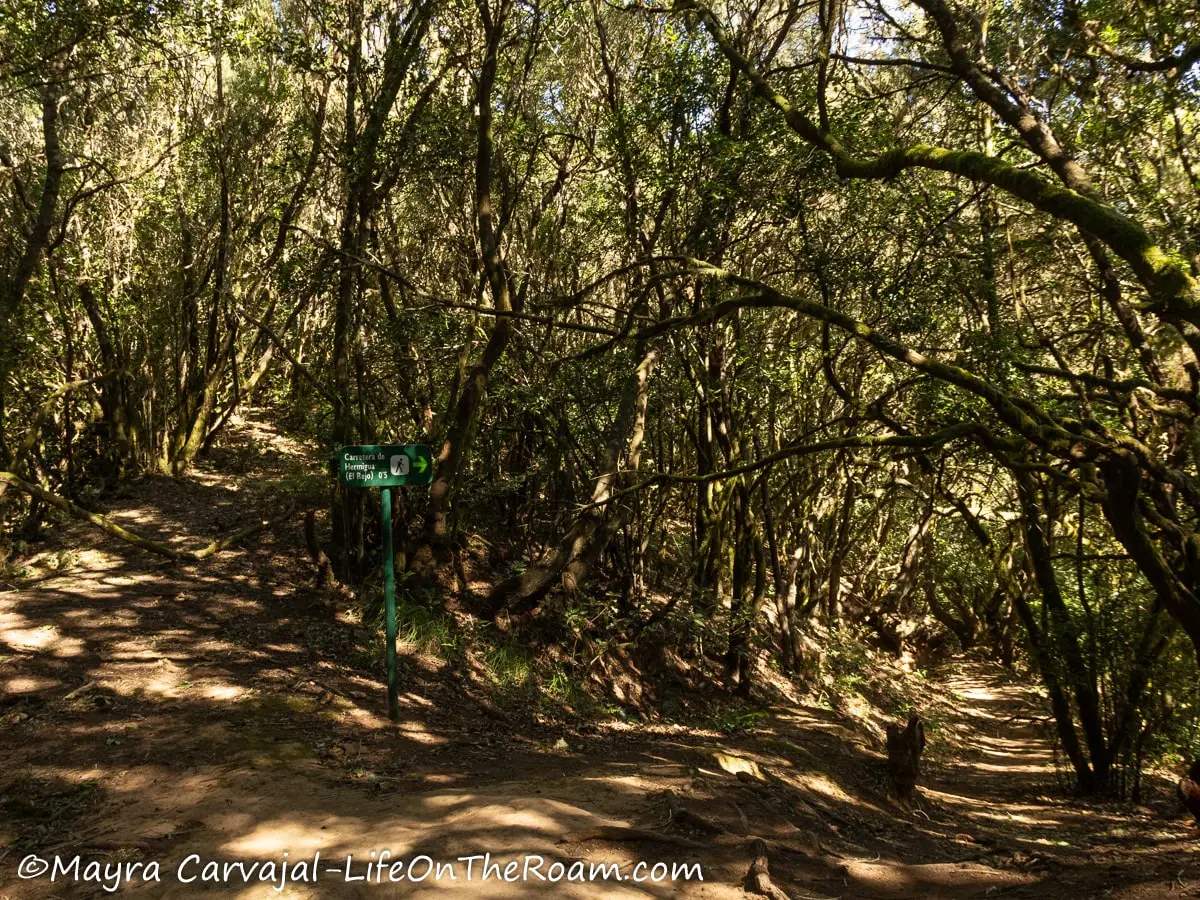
{"x": 151, "y": 711}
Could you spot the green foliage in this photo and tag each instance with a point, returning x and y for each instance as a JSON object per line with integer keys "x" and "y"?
{"x": 217, "y": 172}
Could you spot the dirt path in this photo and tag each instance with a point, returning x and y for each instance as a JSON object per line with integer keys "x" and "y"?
{"x": 153, "y": 712}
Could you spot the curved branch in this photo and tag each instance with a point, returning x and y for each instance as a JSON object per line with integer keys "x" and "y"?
{"x": 914, "y": 442}
{"x": 288, "y": 355}
{"x": 43, "y": 412}
{"x": 1171, "y": 287}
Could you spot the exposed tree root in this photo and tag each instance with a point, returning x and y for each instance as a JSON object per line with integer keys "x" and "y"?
{"x": 624, "y": 834}
{"x": 112, "y": 528}
{"x": 681, "y": 815}
{"x": 758, "y": 879}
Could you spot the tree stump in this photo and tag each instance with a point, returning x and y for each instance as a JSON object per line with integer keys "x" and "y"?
{"x": 1189, "y": 791}
{"x": 904, "y": 756}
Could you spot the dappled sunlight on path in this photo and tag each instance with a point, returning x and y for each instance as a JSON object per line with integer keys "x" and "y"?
{"x": 152, "y": 711}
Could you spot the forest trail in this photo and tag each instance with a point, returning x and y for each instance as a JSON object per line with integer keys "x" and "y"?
{"x": 151, "y": 710}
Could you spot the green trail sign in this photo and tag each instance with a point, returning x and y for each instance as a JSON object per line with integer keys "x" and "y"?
{"x": 385, "y": 465}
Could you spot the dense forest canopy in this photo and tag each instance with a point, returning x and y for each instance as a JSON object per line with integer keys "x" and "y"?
{"x": 734, "y": 326}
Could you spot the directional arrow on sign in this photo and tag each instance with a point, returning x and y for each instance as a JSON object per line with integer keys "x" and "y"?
{"x": 421, "y": 464}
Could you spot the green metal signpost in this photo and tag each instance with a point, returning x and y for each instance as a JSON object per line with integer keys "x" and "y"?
{"x": 384, "y": 466}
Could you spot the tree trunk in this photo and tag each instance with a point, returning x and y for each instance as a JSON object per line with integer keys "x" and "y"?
{"x": 13, "y": 296}
{"x": 583, "y": 544}
{"x": 838, "y": 552}
{"x": 1065, "y": 635}
{"x": 456, "y": 447}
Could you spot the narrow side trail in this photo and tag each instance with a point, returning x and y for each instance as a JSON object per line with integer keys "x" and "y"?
{"x": 224, "y": 711}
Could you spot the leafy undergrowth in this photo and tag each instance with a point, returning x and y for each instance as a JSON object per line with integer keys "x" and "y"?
{"x": 554, "y": 671}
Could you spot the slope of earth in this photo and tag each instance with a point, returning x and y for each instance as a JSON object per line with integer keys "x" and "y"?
{"x": 154, "y": 712}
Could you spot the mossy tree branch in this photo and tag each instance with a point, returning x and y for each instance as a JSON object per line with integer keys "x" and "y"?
{"x": 1171, "y": 287}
